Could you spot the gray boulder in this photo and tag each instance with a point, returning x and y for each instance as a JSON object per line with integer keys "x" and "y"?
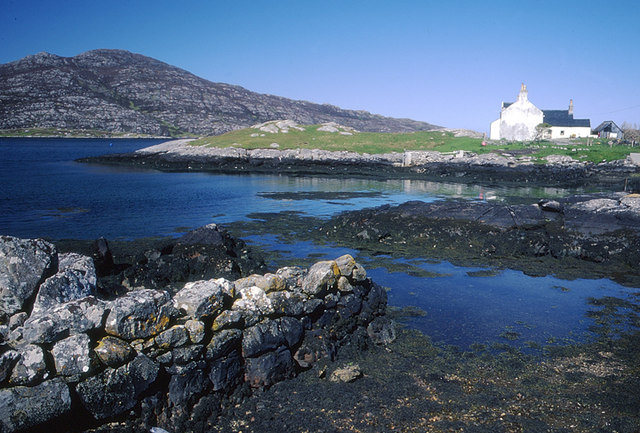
{"x": 7, "y": 361}
{"x": 115, "y": 391}
{"x": 24, "y": 407}
{"x": 140, "y": 314}
{"x": 320, "y": 278}
{"x": 70, "y": 318}
{"x": 30, "y": 368}
{"x": 24, "y": 264}
{"x": 196, "y": 330}
{"x": 67, "y": 285}
{"x": 71, "y": 356}
{"x": 254, "y": 304}
{"x": 203, "y": 299}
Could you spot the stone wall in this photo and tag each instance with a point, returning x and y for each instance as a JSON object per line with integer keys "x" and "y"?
{"x": 154, "y": 359}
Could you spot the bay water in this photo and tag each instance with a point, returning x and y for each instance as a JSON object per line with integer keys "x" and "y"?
{"x": 44, "y": 193}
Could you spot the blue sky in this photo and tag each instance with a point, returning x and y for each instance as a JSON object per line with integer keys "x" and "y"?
{"x": 450, "y": 63}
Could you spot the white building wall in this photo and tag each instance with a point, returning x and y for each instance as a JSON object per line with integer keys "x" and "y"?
{"x": 518, "y": 121}
{"x": 494, "y": 132}
{"x": 570, "y": 132}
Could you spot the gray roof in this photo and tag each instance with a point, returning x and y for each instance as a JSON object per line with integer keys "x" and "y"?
{"x": 563, "y": 118}
{"x": 609, "y": 126}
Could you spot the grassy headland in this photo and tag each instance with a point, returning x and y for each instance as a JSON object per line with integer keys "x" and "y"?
{"x": 310, "y": 137}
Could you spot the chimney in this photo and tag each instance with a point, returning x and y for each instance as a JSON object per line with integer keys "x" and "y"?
{"x": 524, "y": 95}
{"x": 570, "y": 107}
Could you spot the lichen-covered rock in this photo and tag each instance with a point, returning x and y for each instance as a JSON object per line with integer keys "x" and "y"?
{"x": 270, "y": 335}
{"x": 267, "y": 282}
{"x": 227, "y": 319}
{"x": 71, "y": 356}
{"x": 24, "y": 264}
{"x": 66, "y": 319}
{"x": 114, "y": 352}
{"x": 346, "y": 264}
{"x": 30, "y": 368}
{"x": 253, "y": 304}
{"x": 140, "y": 314}
{"x": 62, "y": 287}
{"x": 196, "y": 330}
{"x": 347, "y": 373}
{"x": 175, "y": 336}
{"x": 115, "y": 391}
{"x": 22, "y": 407}
{"x": 203, "y": 299}
{"x": 320, "y": 278}
{"x": 286, "y": 303}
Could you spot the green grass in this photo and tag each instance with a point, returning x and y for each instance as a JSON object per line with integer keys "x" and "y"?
{"x": 377, "y": 143}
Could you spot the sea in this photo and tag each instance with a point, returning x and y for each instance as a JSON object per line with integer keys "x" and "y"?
{"x": 45, "y": 193}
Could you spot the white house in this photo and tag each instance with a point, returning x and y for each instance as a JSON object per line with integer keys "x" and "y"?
{"x": 518, "y": 121}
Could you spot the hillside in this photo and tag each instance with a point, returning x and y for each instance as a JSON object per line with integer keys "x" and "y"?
{"x": 118, "y": 91}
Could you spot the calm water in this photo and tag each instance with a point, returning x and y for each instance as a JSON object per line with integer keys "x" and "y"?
{"x": 45, "y": 194}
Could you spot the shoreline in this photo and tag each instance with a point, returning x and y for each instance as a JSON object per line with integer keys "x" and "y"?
{"x": 461, "y": 167}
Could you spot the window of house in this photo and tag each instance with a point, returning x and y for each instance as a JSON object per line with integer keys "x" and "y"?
{"x": 561, "y": 132}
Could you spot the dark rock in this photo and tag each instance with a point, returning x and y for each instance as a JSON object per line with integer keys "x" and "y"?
{"x": 103, "y": 258}
{"x": 24, "y": 264}
{"x": 173, "y": 337}
{"x": 115, "y": 391}
{"x": 7, "y": 361}
{"x": 382, "y": 331}
{"x": 269, "y": 368}
{"x": 227, "y": 319}
{"x": 550, "y": 205}
{"x": 222, "y": 343}
{"x": 270, "y": 335}
{"x": 23, "y": 408}
{"x": 186, "y": 386}
{"x": 226, "y": 372}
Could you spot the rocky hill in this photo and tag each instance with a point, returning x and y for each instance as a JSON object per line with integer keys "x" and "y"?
{"x": 119, "y": 91}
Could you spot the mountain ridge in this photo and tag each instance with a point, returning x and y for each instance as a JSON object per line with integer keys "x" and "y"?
{"x": 120, "y": 91}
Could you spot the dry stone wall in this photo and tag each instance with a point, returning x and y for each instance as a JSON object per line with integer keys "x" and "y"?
{"x": 154, "y": 359}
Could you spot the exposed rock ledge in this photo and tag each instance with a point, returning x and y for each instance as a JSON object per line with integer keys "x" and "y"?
{"x": 150, "y": 359}
{"x": 179, "y": 155}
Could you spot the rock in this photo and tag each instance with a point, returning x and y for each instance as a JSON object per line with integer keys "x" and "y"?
{"x": 17, "y": 320}
{"x": 203, "y": 299}
{"x": 226, "y": 372}
{"x": 7, "y": 361}
{"x": 140, "y": 314}
{"x": 228, "y": 319}
{"x": 24, "y": 264}
{"x": 550, "y": 205}
{"x": 114, "y": 352}
{"x": 347, "y": 374}
{"x": 23, "y": 408}
{"x": 71, "y": 356}
{"x": 186, "y": 386}
{"x": 210, "y": 234}
{"x": 314, "y": 347}
{"x": 346, "y": 264}
{"x": 253, "y": 304}
{"x": 269, "y": 368}
{"x": 382, "y": 331}
{"x": 286, "y": 303}
{"x": 173, "y": 337}
{"x": 66, "y": 319}
{"x": 65, "y": 286}
{"x": 196, "y": 330}
{"x": 270, "y": 335}
{"x": 267, "y": 282}
{"x": 222, "y": 343}
{"x": 115, "y": 391}
{"x": 30, "y": 368}
{"x": 321, "y": 277}
{"x": 102, "y": 258}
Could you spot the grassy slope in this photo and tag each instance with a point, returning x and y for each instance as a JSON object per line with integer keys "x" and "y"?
{"x": 373, "y": 143}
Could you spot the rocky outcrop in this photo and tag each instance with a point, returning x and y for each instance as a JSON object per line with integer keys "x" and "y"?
{"x": 468, "y": 167}
{"x": 119, "y": 91}
{"x": 153, "y": 359}
{"x": 584, "y": 236}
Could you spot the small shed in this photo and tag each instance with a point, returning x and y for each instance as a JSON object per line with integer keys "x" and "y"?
{"x": 608, "y": 129}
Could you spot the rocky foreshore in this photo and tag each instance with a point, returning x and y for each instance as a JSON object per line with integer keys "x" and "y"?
{"x": 171, "y": 358}
{"x": 179, "y": 155}
{"x": 590, "y": 236}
